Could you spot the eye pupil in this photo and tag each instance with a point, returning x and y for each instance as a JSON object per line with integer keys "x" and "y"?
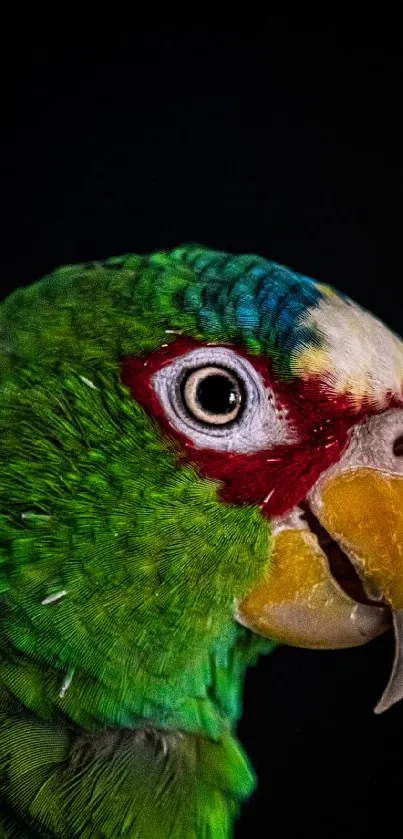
{"x": 213, "y": 395}
{"x": 398, "y": 446}
{"x": 217, "y": 394}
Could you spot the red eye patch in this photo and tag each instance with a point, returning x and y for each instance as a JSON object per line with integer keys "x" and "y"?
{"x": 276, "y": 478}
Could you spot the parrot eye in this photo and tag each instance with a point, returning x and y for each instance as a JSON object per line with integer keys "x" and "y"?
{"x": 218, "y": 400}
{"x": 213, "y": 395}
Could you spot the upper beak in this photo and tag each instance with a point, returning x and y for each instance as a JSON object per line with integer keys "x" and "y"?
{"x": 363, "y": 510}
{"x": 359, "y": 502}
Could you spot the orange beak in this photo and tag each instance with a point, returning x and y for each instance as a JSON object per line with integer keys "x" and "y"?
{"x": 359, "y": 505}
{"x": 299, "y": 602}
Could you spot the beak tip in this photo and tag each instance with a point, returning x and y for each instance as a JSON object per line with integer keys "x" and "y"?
{"x": 381, "y": 707}
{"x": 393, "y": 692}
{"x": 386, "y": 702}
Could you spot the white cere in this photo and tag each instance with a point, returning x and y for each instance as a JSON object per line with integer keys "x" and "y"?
{"x": 218, "y": 400}
{"x": 376, "y": 443}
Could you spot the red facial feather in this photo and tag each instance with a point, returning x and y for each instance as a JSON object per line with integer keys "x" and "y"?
{"x": 276, "y": 478}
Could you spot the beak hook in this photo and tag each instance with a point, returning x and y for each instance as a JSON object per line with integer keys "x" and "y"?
{"x": 394, "y": 690}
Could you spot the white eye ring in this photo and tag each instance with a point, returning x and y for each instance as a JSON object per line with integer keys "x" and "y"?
{"x": 259, "y": 424}
{"x": 197, "y": 381}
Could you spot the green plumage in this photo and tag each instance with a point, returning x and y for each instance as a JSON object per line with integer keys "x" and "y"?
{"x": 121, "y": 666}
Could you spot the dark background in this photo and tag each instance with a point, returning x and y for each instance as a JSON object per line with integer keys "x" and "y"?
{"x": 285, "y": 142}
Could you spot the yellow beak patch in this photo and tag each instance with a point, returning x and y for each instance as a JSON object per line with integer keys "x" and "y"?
{"x": 363, "y": 511}
{"x": 298, "y": 602}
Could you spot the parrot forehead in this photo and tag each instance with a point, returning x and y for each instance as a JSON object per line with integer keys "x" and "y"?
{"x": 354, "y": 352}
{"x": 130, "y": 305}
{"x": 248, "y": 297}
{"x": 308, "y": 329}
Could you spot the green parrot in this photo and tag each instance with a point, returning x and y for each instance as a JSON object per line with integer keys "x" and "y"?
{"x": 201, "y": 458}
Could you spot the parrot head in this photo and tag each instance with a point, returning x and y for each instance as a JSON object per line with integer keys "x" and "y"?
{"x": 293, "y": 404}
{"x": 198, "y": 451}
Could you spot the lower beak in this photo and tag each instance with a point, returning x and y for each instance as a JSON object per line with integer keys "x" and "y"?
{"x": 365, "y": 509}
{"x": 299, "y": 602}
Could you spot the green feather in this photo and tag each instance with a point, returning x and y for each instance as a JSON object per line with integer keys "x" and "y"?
{"x": 121, "y": 667}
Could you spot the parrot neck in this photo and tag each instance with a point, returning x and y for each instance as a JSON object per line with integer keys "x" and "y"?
{"x": 145, "y": 781}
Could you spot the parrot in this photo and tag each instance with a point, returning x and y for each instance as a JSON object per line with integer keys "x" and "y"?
{"x": 201, "y": 459}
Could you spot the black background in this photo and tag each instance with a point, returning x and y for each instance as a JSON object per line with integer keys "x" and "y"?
{"x": 286, "y": 141}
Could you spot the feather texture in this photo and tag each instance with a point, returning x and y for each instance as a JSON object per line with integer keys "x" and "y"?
{"x": 121, "y": 665}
